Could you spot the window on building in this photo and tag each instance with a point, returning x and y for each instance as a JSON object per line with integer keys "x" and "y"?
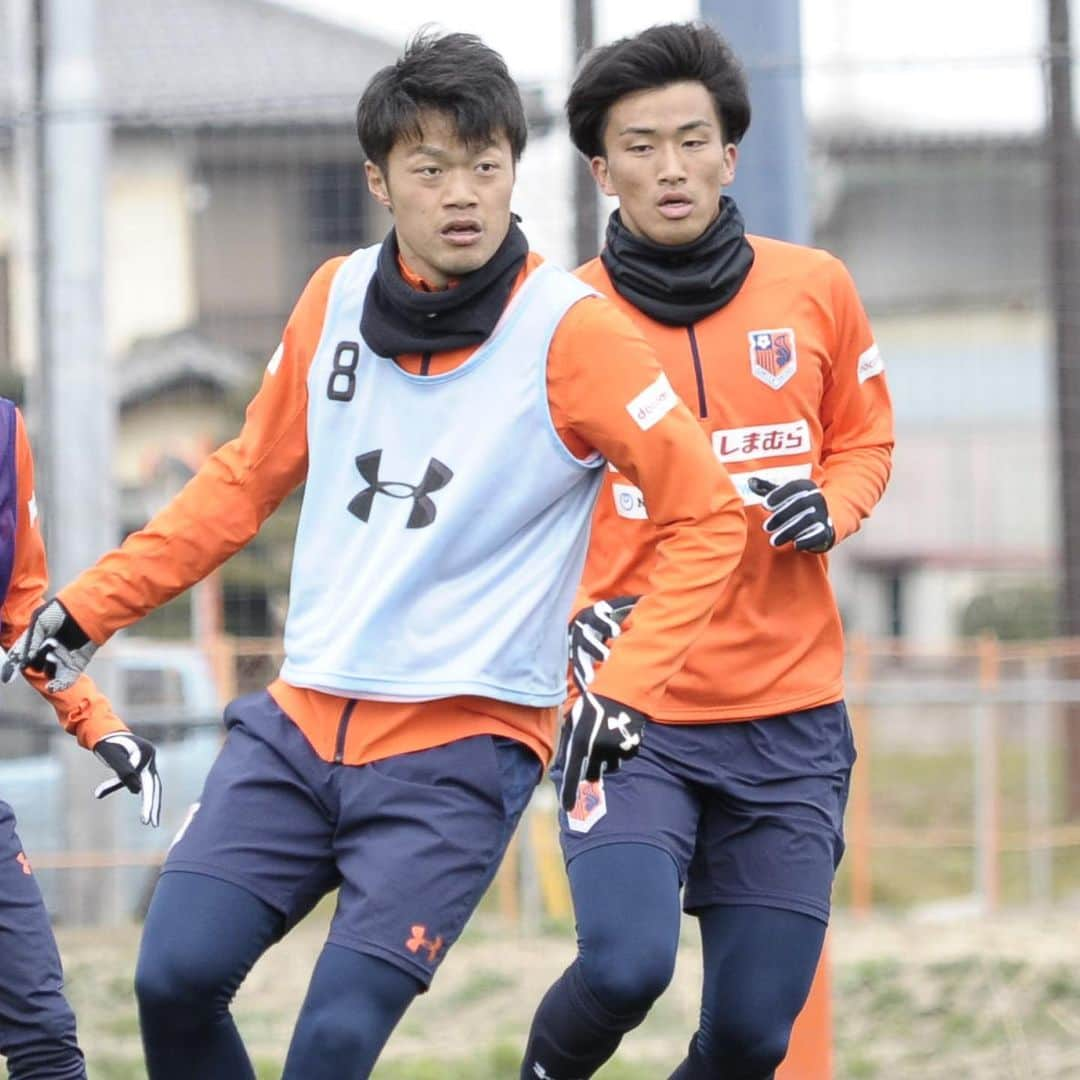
{"x": 337, "y": 204}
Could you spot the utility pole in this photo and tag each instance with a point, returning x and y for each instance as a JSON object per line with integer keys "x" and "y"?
{"x": 76, "y": 410}
{"x": 71, "y": 394}
{"x": 771, "y": 185}
{"x": 586, "y": 210}
{"x": 1064, "y": 229}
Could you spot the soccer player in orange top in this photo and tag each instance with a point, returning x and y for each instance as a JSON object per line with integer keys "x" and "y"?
{"x": 37, "y": 1026}
{"x": 449, "y": 399}
{"x": 738, "y": 792}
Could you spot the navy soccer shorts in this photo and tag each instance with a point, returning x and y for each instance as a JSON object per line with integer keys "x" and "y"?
{"x": 751, "y": 811}
{"x": 413, "y": 841}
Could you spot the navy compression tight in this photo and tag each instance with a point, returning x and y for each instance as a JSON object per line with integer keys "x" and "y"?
{"x": 759, "y": 963}
{"x": 202, "y": 937}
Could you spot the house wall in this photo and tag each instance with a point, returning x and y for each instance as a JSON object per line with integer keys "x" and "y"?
{"x": 149, "y": 251}
{"x": 974, "y": 468}
{"x": 273, "y": 207}
{"x": 182, "y": 424}
{"x": 973, "y": 492}
{"x": 147, "y": 258}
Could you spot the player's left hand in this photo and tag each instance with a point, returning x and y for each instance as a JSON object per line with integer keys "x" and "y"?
{"x": 799, "y": 514}
{"x": 132, "y": 759}
{"x": 598, "y": 736}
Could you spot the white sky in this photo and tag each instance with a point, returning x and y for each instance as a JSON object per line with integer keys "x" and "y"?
{"x": 928, "y": 64}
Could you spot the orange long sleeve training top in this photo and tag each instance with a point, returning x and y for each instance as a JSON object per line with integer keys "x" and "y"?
{"x": 786, "y": 381}
{"x": 598, "y": 365}
{"x": 82, "y": 709}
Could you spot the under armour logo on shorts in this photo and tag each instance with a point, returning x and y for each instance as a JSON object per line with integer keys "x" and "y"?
{"x": 419, "y": 940}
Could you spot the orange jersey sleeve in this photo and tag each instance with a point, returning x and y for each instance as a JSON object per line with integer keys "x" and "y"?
{"x": 222, "y": 507}
{"x": 856, "y": 413}
{"x": 29, "y": 573}
{"x": 83, "y": 710}
{"x": 608, "y": 392}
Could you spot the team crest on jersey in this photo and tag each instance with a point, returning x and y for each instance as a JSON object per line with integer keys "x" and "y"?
{"x": 772, "y": 355}
{"x": 589, "y": 807}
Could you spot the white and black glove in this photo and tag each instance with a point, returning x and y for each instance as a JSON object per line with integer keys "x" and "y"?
{"x": 798, "y": 514}
{"x": 590, "y": 631}
{"x": 132, "y": 759}
{"x": 53, "y": 643}
{"x": 598, "y": 736}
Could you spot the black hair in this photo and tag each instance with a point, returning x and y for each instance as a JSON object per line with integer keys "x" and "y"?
{"x": 455, "y": 74}
{"x": 657, "y": 57}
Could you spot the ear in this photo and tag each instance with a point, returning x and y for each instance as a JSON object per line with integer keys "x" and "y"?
{"x": 377, "y": 185}
{"x": 598, "y": 166}
{"x": 731, "y": 157}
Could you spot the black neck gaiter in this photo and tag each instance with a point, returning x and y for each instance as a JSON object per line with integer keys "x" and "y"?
{"x": 399, "y": 319}
{"x": 680, "y": 284}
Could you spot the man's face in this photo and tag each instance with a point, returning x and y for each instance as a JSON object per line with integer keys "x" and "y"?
{"x": 450, "y": 201}
{"x": 666, "y": 161}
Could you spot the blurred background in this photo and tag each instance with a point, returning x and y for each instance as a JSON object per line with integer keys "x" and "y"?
{"x": 170, "y": 176}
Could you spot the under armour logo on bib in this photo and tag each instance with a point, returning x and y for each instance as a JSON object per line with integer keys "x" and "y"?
{"x": 436, "y": 477}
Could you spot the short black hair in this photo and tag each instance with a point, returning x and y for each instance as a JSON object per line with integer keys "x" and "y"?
{"x": 455, "y": 74}
{"x": 657, "y": 57}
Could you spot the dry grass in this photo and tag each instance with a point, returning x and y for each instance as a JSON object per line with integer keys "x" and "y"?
{"x": 966, "y": 998}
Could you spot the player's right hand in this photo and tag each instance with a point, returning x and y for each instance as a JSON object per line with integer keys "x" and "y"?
{"x": 598, "y": 736}
{"x": 590, "y": 631}
{"x": 54, "y": 643}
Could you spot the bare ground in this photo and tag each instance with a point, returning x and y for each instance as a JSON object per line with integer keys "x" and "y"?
{"x": 951, "y": 997}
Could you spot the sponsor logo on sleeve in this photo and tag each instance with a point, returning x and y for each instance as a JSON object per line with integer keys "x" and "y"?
{"x": 871, "y": 363}
{"x": 772, "y": 355}
{"x": 275, "y": 360}
{"x": 765, "y": 440}
{"x": 629, "y": 502}
{"x": 653, "y": 403}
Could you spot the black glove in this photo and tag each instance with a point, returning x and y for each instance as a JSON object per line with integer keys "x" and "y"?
{"x": 53, "y": 643}
{"x": 132, "y": 759}
{"x": 590, "y": 631}
{"x": 799, "y": 513}
{"x": 598, "y": 736}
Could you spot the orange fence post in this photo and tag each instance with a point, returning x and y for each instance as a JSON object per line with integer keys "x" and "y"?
{"x": 507, "y": 883}
{"x": 222, "y": 652}
{"x": 810, "y": 1052}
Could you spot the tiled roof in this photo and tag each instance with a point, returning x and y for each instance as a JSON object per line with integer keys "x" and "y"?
{"x": 224, "y": 61}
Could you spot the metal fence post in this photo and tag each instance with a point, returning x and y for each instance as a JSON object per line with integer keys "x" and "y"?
{"x": 987, "y": 767}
